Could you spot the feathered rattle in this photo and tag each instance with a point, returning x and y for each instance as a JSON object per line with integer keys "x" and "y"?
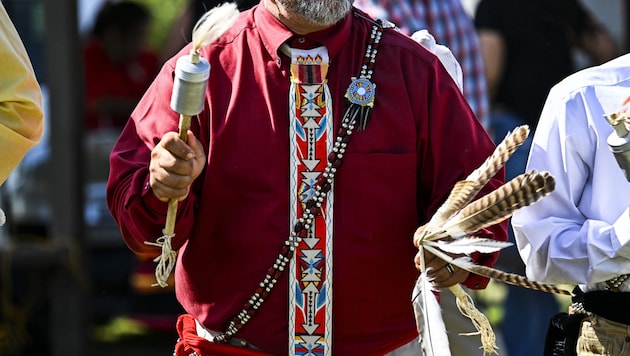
{"x": 458, "y": 219}
{"x": 191, "y": 78}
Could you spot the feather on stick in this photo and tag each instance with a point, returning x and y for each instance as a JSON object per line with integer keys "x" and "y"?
{"x": 213, "y": 24}
{"x": 207, "y": 29}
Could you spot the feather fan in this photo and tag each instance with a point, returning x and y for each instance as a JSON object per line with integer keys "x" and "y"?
{"x": 458, "y": 219}
{"x": 207, "y": 29}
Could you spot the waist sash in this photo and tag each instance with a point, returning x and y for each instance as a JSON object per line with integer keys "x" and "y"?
{"x": 609, "y": 305}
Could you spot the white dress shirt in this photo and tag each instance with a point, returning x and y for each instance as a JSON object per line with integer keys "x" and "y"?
{"x": 580, "y": 233}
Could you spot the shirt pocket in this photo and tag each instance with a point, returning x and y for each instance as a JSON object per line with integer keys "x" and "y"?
{"x": 375, "y": 197}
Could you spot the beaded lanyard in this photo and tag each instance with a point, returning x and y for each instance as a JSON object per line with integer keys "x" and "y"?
{"x": 360, "y": 94}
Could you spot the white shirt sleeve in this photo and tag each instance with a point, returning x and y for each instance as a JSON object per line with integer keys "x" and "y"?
{"x": 444, "y": 54}
{"x": 580, "y": 233}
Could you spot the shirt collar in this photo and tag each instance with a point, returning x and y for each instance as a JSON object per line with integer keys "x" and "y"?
{"x": 273, "y": 33}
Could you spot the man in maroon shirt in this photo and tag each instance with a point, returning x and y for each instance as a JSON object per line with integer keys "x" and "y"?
{"x": 235, "y": 179}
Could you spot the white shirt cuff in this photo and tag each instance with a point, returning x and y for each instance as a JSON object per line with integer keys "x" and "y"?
{"x": 622, "y": 232}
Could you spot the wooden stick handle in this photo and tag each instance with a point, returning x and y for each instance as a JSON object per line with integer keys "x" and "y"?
{"x": 171, "y": 213}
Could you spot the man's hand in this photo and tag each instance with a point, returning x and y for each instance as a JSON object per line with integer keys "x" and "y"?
{"x": 442, "y": 274}
{"x": 174, "y": 165}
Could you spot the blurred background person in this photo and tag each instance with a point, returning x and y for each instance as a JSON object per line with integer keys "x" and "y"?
{"x": 451, "y": 26}
{"x": 118, "y": 64}
{"x": 119, "y": 67}
{"x": 528, "y": 46}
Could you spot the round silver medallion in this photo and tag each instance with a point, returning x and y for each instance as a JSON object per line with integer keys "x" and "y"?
{"x": 361, "y": 92}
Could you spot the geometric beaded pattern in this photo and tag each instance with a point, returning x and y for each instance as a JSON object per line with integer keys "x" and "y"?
{"x": 311, "y": 136}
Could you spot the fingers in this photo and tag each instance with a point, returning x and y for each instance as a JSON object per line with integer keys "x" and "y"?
{"x": 448, "y": 275}
{"x": 199, "y": 155}
{"x": 442, "y": 274}
{"x": 174, "y": 165}
{"x": 418, "y": 235}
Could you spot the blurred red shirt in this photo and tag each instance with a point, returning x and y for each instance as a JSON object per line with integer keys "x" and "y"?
{"x": 120, "y": 83}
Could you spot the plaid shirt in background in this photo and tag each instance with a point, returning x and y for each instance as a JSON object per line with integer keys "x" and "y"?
{"x": 451, "y": 26}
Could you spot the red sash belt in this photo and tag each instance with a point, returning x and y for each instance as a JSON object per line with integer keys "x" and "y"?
{"x": 190, "y": 342}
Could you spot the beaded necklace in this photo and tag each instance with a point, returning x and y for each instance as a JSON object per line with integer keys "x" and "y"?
{"x": 360, "y": 94}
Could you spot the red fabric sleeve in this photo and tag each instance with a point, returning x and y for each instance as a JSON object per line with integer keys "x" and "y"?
{"x": 140, "y": 215}
{"x": 457, "y": 145}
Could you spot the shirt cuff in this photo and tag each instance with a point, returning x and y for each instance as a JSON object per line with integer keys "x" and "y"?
{"x": 475, "y": 281}
{"x": 151, "y": 202}
{"x": 621, "y": 228}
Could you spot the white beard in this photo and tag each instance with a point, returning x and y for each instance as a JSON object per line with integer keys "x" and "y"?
{"x": 323, "y": 12}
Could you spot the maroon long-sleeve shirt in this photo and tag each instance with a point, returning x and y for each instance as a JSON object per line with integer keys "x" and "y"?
{"x": 421, "y": 139}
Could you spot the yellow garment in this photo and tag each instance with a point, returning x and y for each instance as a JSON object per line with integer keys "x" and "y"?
{"x": 21, "y": 116}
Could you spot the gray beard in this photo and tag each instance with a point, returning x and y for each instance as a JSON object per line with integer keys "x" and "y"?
{"x": 323, "y": 12}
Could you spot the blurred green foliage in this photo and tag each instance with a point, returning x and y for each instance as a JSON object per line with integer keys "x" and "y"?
{"x": 165, "y": 13}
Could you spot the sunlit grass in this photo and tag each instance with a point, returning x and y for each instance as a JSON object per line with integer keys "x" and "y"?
{"x": 491, "y": 300}
{"x": 164, "y": 14}
{"x": 564, "y": 300}
{"x": 117, "y": 329}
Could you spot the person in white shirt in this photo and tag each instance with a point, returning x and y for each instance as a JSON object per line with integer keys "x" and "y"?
{"x": 580, "y": 233}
